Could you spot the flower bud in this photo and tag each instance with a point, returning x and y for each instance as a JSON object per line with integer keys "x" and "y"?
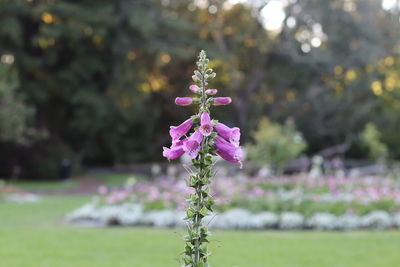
{"x": 195, "y": 79}
{"x": 211, "y": 91}
{"x": 219, "y": 101}
{"x": 198, "y": 74}
{"x": 183, "y": 101}
{"x": 194, "y": 88}
{"x": 210, "y": 76}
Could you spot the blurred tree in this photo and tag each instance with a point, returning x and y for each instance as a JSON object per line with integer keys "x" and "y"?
{"x": 90, "y": 78}
{"x": 274, "y": 144}
{"x": 243, "y": 56}
{"x": 327, "y": 51}
{"x": 100, "y": 74}
{"x": 14, "y": 113}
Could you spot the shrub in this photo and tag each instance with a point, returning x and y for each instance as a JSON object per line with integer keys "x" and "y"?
{"x": 291, "y": 220}
{"x": 396, "y": 220}
{"x": 322, "y": 221}
{"x": 348, "y": 222}
{"x": 264, "y": 220}
{"x": 371, "y": 139}
{"x": 377, "y": 220}
{"x": 275, "y": 144}
{"x": 233, "y": 219}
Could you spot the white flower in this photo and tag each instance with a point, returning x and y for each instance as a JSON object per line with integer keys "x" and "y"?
{"x": 291, "y": 220}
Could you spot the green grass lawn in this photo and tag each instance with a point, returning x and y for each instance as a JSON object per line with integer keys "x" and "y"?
{"x": 31, "y": 235}
{"x": 108, "y": 179}
{"x": 115, "y": 179}
{"x": 32, "y": 186}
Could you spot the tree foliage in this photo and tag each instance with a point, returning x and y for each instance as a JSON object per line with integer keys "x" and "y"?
{"x": 98, "y": 75}
{"x": 14, "y": 113}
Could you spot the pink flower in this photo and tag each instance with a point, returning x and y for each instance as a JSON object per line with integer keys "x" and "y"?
{"x": 228, "y": 151}
{"x": 191, "y": 145}
{"x": 205, "y": 124}
{"x": 230, "y": 134}
{"x": 174, "y": 152}
{"x": 183, "y": 101}
{"x": 258, "y": 191}
{"x": 219, "y": 101}
{"x": 211, "y": 91}
{"x": 194, "y": 88}
{"x": 177, "y": 132}
{"x": 102, "y": 190}
{"x": 110, "y": 200}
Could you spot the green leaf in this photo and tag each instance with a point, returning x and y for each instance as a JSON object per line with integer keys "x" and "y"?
{"x": 189, "y": 214}
{"x": 204, "y": 211}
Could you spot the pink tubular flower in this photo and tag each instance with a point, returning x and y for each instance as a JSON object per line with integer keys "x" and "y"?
{"x": 174, "y": 152}
{"x": 177, "y": 132}
{"x": 192, "y": 144}
{"x": 211, "y": 91}
{"x": 183, "y": 101}
{"x": 194, "y": 88}
{"x": 228, "y": 151}
{"x": 230, "y": 134}
{"x": 219, "y": 101}
{"x": 205, "y": 124}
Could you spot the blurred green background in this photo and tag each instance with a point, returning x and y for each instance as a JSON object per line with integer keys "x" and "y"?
{"x": 93, "y": 82}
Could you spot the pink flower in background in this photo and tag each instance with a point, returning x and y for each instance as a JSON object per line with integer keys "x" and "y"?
{"x": 153, "y": 195}
{"x": 228, "y": 151}
{"x": 258, "y": 191}
{"x": 102, "y": 190}
{"x": 183, "y": 101}
{"x": 226, "y": 189}
{"x": 350, "y": 212}
{"x": 205, "y": 124}
{"x": 110, "y": 199}
{"x": 220, "y": 101}
{"x": 121, "y": 195}
{"x": 191, "y": 145}
{"x": 230, "y": 134}
{"x": 211, "y": 91}
{"x": 177, "y": 132}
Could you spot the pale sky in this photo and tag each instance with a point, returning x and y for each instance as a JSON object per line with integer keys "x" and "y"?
{"x": 273, "y": 14}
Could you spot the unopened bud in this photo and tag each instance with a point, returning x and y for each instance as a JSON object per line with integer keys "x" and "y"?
{"x": 211, "y": 76}
{"x": 220, "y": 101}
{"x": 183, "y": 101}
{"x": 194, "y": 88}
{"x": 211, "y": 91}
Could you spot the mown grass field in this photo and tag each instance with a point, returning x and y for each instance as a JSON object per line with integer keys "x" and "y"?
{"x": 31, "y": 235}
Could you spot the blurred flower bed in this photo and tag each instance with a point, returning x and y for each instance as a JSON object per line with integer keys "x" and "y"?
{"x": 10, "y": 193}
{"x": 290, "y": 202}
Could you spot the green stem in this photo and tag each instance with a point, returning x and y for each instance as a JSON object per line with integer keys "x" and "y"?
{"x": 196, "y": 250}
{"x": 197, "y": 221}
